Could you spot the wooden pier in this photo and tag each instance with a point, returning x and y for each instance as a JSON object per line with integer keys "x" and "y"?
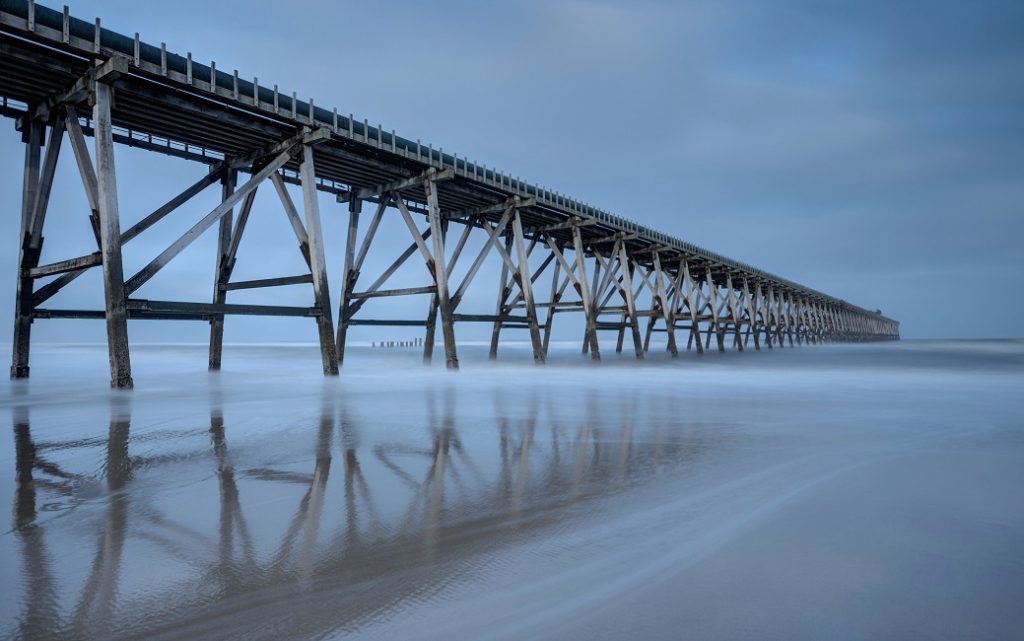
{"x": 66, "y": 79}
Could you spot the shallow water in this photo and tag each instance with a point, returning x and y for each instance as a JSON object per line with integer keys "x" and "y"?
{"x": 851, "y": 492}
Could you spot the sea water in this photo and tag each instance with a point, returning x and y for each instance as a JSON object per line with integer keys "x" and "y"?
{"x": 843, "y": 492}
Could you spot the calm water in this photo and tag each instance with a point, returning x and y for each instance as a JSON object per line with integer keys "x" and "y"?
{"x": 841, "y": 492}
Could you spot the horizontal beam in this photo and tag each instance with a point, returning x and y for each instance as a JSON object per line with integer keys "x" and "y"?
{"x": 398, "y": 185}
{"x": 496, "y": 208}
{"x": 69, "y": 265}
{"x": 407, "y": 291}
{"x": 377, "y": 322}
{"x": 488, "y": 318}
{"x": 214, "y": 309}
{"x": 269, "y": 282}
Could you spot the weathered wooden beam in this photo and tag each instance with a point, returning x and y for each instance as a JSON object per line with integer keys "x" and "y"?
{"x": 431, "y": 174}
{"x": 373, "y": 322}
{"x": 292, "y": 213}
{"x": 500, "y": 307}
{"x": 526, "y": 287}
{"x": 216, "y": 173}
{"x": 318, "y": 262}
{"x": 221, "y": 273}
{"x": 391, "y": 269}
{"x": 71, "y": 264}
{"x": 115, "y": 292}
{"x": 269, "y": 282}
{"x": 492, "y": 234}
{"x": 489, "y": 318}
{"x": 547, "y": 229}
{"x": 444, "y": 304}
{"x": 351, "y": 272}
{"x": 496, "y": 208}
{"x": 158, "y": 263}
{"x": 24, "y": 303}
{"x": 405, "y": 291}
{"x": 588, "y": 303}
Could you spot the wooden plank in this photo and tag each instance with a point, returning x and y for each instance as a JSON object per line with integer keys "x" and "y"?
{"x": 215, "y": 174}
{"x": 115, "y": 292}
{"x": 406, "y": 291}
{"x": 205, "y": 223}
{"x": 269, "y": 282}
{"x": 444, "y": 305}
{"x": 492, "y": 234}
{"x": 373, "y": 322}
{"x": 24, "y": 302}
{"x": 431, "y": 174}
{"x": 318, "y": 262}
{"x": 526, "y": 287}
{"x": 293, "y": 215}
{"x": 71, "y": 264}
{"x": 584, "y": 291}
{"x": 220, "y": 273}
{"x": 398, "y": 262}
{"x": 351, "y": 273}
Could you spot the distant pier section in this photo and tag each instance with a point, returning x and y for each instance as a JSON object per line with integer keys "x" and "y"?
{"x": 64, "y": 81}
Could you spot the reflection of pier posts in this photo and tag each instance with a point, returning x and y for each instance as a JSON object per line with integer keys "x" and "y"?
{"x": 40, "y": 611}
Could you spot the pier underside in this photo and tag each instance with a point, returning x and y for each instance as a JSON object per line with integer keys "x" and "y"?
{"x": 64, "y": 81}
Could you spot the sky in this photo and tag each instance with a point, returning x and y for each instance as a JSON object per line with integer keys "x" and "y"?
{"x": 871, "y": 150}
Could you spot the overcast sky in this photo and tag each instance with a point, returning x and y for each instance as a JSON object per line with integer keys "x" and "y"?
{"x": 874, "y": 151}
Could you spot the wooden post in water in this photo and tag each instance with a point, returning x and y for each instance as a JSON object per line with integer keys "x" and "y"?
{"x": 110, "y": 241}
{"x": 317, "y": 262}
{"x": 33, "y": 135}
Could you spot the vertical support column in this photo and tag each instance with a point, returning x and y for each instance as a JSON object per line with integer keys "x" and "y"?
{"x": 431, "y": 328}
{"x": 713, "y": 304}
{"x": 23, "y": 298}
{"x": 526, "y": 286}
{"x": 221, "y": 270}
{"x": 500, "y": 307}
{"x": 588, "y": 300}
{"x": 555, "y": 297}
{"x": 594, "y": 286}
{"x": 691, "y": 302}
{"x": 110, "y": 241}
{"x": 755, "y": 309}
{"x": 317, "y": 262}
{"x": 348, "y": 278}
{"x": 627, "y": 290}
{"x": 666, "y": 309}
{"x": 734, "y": 312}
{"x": 444, "y": 304}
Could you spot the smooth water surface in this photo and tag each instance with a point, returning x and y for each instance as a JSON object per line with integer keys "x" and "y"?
{"x": 841, "y": 492}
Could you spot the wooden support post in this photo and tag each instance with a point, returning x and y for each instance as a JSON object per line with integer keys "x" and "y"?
{"x": 221, "y": 272}
{"x": 110, "y": 241}
{"x": 589, "y": 310}
{"x": 627, "y": 291}
{"x": 441, "y": 276}
{"x": 755, "y": 309}
{"x": 692, "y": 297}
{"x": 666, "y": 308}
{"x": 716, "y": 323}
{"x": 34, "y": 131}
{"x": 526, "y": 287}
{"x": 735, "y": 300}
{"x": 556, "y": 295}
{"x": 431, "y": 326}
{"x": 317, "y": 262}
{"x": 348, "y": 278}
{"x": 500, "y": 308}
{"x": 595, "y": 288}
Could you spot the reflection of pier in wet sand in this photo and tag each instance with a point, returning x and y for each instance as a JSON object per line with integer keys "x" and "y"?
{"x": 293, "y": 545}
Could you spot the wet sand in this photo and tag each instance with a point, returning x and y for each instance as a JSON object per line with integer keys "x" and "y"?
{"x": 851, "y": 492}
